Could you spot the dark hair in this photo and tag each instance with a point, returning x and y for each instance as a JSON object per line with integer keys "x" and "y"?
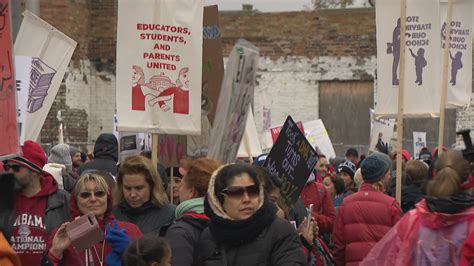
{"x": 270, "y": 181}
{"x": 83, "y": 157}
{"x": 337, "y": 182}
{"x": 451, "y": 171}
{"x": 352, "y": 151}
{"x": 144, "y": 251}
{"x": 227, "y": 174}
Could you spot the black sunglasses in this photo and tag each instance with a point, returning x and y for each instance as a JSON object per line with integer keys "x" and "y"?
{"x": 238, "y": 191}
{"x": 14, "y": 167}
{"x": 97, "y": 194}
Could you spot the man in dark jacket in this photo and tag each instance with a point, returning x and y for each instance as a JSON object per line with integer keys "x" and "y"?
{"x": 38, "y": 206}
{"x": 105, "y": 155}
{"x": 417, "y": 176}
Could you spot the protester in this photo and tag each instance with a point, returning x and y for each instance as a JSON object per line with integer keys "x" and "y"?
{"x": 161, "y": 170}
{"x": 174, "y": 186}
{"x": 38, "y": 208}
{"x": 190, "y": 218}
{"x": 435, "y": 231}
{"x": 352, "y": 155}
{"x": 346, "y": 171}
{"x": 105, "y": 155}
{"x": 365, "y": 217}
{"x": 92, "y": 195}
{"x": 334, "y": 186}
{"x": 76, "y": 158}
{"x": 243, "y": 228}
{"x": 417, "y": 176}
{"x": 60, "y": 166}
{"x": 8, "y": 257}
{"x": 150, "y": 250}
{"x": 425, "y": 156}
{"x": 315, "y": 193}
{"x": 139, "y": 196}
{"x": 322, "y": 168}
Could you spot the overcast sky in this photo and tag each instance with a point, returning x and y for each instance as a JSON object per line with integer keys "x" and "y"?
{"x": 262, "y": 5}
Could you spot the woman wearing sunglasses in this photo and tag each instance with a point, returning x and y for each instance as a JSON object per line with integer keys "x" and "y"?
{"x": 91, "y": 194}
{"x": 243, "y": 228}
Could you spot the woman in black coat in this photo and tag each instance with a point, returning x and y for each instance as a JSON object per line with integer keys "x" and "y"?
{"x": 243, "y": 228}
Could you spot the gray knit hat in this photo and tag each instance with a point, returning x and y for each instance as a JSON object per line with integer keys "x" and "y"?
{"x": 60, "y": 154}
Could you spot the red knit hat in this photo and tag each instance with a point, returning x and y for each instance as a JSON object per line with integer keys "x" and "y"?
{"x": 33, "y": 157}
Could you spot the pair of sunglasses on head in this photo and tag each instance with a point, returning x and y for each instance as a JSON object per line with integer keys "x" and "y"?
{"x": 239, "y": 191}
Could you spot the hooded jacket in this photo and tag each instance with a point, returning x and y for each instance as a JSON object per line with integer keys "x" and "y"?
{"x": 32, "y": 219}
{"x": 71, "y": 257}
{"x": 424, "y": 235}
{"x": 323, "y": 211}
{"x": 105, "y": 155}
{"x": 363, "y": 219}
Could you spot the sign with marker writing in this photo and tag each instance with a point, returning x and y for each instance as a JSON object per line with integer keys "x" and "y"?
{"x": 293, "y": 159}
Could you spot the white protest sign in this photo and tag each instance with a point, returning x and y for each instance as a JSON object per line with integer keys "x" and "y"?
{"x": 159, "y": 66}
{"x": 317, "y": 135}
{"x": 51, "y": 51}
{"x": 423, "y": 60}
{"x": 419, "y": 142}
{"x": 251, "y": 136}
{"x": 381, "y": 133}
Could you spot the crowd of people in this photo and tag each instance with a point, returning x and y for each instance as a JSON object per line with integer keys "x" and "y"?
{"x": 209, "y": 214}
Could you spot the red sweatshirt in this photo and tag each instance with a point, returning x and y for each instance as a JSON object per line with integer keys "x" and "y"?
{"x": 323, "y": 210}
{"x": 29, "y": 233}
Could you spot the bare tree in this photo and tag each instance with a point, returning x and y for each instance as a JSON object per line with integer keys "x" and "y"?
{"x": 321, "y": 4}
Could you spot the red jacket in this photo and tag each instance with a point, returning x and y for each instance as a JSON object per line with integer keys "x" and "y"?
{"x": 363, "y": 219}
{"x": 323, "y": 210}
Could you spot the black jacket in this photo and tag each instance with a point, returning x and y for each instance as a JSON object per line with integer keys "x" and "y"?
{"x": 277, "y": 245}
{"x": 105, "y": 155}
{"x": 183, "y": 237}
{"x": 411, "y": 195}
{"x": 149, "y": 218}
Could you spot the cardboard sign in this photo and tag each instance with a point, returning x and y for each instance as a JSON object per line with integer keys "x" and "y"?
{"x": 419, "y": 142}
{"x": 293, "y": 159}
{"x": 381, "y": 133}
{"x": 318, "y": 136}
{"x": 159, "y": 66}
{"x": 235, "y": 98}
{"x": 8, "y": 111}
{"x": 275, "y": 131}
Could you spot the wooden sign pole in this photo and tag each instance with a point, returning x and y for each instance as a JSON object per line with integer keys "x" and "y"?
{"x": 444, "y": 82}
{"x": 401, "y": 99}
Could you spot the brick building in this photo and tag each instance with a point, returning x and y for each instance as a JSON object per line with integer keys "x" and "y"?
{"x": 313, "y": 65}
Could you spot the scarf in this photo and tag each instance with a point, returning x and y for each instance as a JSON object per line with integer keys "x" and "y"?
{"x": 195, "y": 205}
{"x": 131, "y": 212}
{"x": 453, "y": 204}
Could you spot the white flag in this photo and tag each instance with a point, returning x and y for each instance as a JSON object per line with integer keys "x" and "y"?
{"x": 422, "y": 57}
{"x": 159, "y": 66}
{"x": 460, "y": 52}
{"x": 51, "y": 51}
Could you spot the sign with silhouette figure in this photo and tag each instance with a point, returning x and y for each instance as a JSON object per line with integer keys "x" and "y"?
{"x": 159, "y": 66}
{"x": 460, "y": 51}
{"x": 422, "y": 57}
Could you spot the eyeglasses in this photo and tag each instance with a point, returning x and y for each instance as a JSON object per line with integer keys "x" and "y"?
{"x": 238, "y": 191}
{"x": 97, "y": 194}
{"x": 14, "y": 167}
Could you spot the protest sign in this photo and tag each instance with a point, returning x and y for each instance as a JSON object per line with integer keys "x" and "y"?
{"x": 171, "y": 150}
{"x": 130, "y": 144}
{"x": 275, "y": 130}
{"x": 293, "y": 159}
{"x": 381, "y": 133}
{"x": 423, "y": 63}
{"x": 8, "y": 111}
{"x": 159, "y": 66}
{"x": 460, "y": 52}
{"x": 235, "y": 98}
{"x": 51, "y": 51}
{"x": 250, "y": 144}
{"x": 419, "y": 142}
{"x": 318, "y": 136}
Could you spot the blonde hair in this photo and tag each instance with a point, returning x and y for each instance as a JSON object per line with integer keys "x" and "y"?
{"x": 141, "y": 165}
{"x": 91, "y": 177}
{"x": 451, "y": 171}
{"x": 358, "y": 180}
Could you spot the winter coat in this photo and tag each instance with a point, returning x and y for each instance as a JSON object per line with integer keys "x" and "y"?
{"x": 411, "y": 195}
{"x": 363, "y": 219}
{"x": 105, "y": 155}
{"x": 148, "y": 217}
{"x": 431, "y": 234}
{"x": 323, "y": 210}
{"x": 71, "y": 257}
{"x": 57, "y": 208}
{"x": 183, "y": 237}
{"x": 60, "y": 174}
{"x": 262, "y": 239}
